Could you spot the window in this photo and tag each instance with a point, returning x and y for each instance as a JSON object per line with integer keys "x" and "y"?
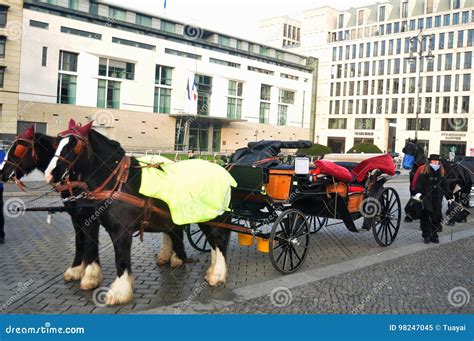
{"x": 204, "y": 88}
{"x": 143, "y": 20}
{"x": 287, "y": 96}
{"x": 162, "y": 98}
{"x": 341, "y": 21}
{"x": 68, "y": 61}
{"x": 396, "y": 27}
{"x": 429, "y": 84}
{"x": 441, "y": 41}
{"x": 452, "y": 124}
{"x": 116, "y": 69}
{"x": 450, "y": 40}
{"x": 429, "y": 6}
{"x": 108, "y": 94}
{"x": 3, "y": 41}
{"x": 465, "y": 17}
{"x": 44, "y": 56}
{"x": 382, "y": 13}
{"x": 429, "y": 22}
{"x": 282, "y": 114}
{"x": 460, "y": 38}
{"x": 73, "y": 4}
{"x": 423, "y": 124}
{"x": 446, "y": 104}
{"x": 361, "y": 50}
{"x": 456, "y": 4}
{"x": 467, "y": 60}
{"x": 222, "y": 40}
{"x": 455, "y": 18}
{"x": 334, "y": 54}
{"x": 405, "y": 9}
{"x": 264, "y": 112}
{"x": 448, "y": 62}
{"x": 66, "y": 89}
{"x": 133, "y": 43}
{"x": 182, "y": 54}
{"x": 360, "y": 18}
{"x": 3, "y": 15}
{"x": 470, "y": 37}
{"x": 337, "y": 123}
{"x": 466, "y": 83}
{"x": 39, "y": 24}
{"x": 116, "y": 13}
{"x": 438, "y": 21}
{"x": 381, "y": 67}
{"x": 465, "y": 105}
{"x": 2, "y": 75}
{"x": 93, "y": 8}
{"x": 234, "y": 100}
{"x": 447, "y": 20}
{"x": 167, "y": 26}
{"x": 364, "y": 123}
{"x": 81, "y": 33}
{"x": 428, "y": 105}
{"x": 412, "y": 25}
{"x": 447, "y": 83}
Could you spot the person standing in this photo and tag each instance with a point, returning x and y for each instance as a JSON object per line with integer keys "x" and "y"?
{"x": 2, "y": 219}
{"x": 430, "y": 187}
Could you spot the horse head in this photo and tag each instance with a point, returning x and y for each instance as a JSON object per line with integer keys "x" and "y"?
{"x": 82, "y": 152}
{"x": 414, "y": 155}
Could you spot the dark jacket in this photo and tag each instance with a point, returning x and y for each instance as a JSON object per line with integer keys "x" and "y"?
{"x": 2, "y": 156}
{"x": 433, "y": 186}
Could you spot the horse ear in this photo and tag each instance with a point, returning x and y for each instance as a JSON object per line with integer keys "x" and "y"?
{"x": 29, "y": 133}
{"x": 72, "y": 124}
{"x": 84, "y": 130}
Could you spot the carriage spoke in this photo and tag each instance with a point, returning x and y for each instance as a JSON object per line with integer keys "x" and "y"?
{"x": 296, "y": 253}
{"x": 291, "y": 256}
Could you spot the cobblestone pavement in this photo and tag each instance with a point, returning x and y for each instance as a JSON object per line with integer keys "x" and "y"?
{"x": 438, "y": 280}
{"x": 36, "y": 254}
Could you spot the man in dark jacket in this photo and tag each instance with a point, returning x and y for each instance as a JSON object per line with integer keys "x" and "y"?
{"x": 431, "y": 186}
{"x": 2, "y": 219}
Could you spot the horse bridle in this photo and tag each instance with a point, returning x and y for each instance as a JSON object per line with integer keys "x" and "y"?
{"x": 20, "y": 151}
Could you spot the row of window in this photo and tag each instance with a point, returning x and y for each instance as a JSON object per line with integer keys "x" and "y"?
{"x": 108, "y": 93}
{"x": 118, "y": 14}
{"x": 447, "y": 124}
{"x": 402, "y": 26}
{"x": 402, "y": 86}
{"x": 445, "y": 62}
{"x": 3, "y": 23}
{"x": 465, "y": 38}
{"x": 446, "y": 105}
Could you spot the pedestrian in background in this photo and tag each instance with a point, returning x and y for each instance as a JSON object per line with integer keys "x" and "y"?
{"x": 2, "y": 219}
{"x": 191, "y": 154}
{"x": 431, "y": 185}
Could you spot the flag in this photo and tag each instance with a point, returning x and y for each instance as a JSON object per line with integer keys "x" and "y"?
{"x": 191, "y": 95}
{"x": 164, "y": 5}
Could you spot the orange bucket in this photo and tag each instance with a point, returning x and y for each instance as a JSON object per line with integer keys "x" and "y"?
{"x": 263, "y": 245}
{"x": 245, "y": 239}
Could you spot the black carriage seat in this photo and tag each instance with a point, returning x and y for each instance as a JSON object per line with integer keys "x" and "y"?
{"x": 248, "y": 178}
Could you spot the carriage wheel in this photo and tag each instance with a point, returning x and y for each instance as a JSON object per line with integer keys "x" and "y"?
{"x": 316, "y": 223}
{"x": 387, "y": 221}
{"x": 289, "y": 241}
{"x": 197, "y": 238}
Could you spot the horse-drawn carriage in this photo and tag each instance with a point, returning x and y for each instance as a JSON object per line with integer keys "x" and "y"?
{"x": 281, "y": 206}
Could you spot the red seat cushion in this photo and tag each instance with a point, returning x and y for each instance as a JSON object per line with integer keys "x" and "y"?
{"x": 355, "y": 189}
{"x": 330, "y": 168}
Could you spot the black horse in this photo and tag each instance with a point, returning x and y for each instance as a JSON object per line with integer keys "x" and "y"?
{"x": 94, "y": 157}
{"x": 34, "y": 151}
{"x": 457, "y": 176}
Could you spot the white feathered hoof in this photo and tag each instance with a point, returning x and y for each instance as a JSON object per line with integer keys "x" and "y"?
{"x": 164, "y": 257}
{"x": 217, "y": 274}
{"x": 121, "y": 290}
{"x": 175, "y": 261}
{"x": 92, "y": 277}
{"x": 74, "y": 273}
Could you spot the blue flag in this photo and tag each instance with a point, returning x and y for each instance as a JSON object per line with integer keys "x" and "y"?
{"x": 164, "y": 5}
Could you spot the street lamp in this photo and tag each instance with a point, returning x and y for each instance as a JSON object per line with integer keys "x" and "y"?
{"x": 418, "y": 49}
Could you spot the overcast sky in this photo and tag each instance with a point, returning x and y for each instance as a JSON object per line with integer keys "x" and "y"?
{"x": 238, "y": 18}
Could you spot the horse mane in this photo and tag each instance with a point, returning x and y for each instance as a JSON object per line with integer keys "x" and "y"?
{"x": 101, "y": 140}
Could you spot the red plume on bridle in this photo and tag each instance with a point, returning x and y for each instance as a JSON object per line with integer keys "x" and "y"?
{"x": 28, "y": 134}
{"x": 77, "y": 130}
